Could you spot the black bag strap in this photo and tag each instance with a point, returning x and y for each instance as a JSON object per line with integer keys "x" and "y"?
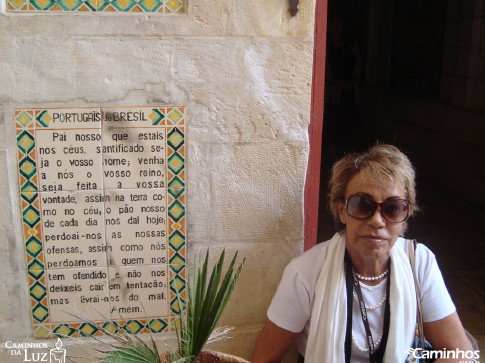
{"x": 350, "y": 296}
{"x": 411, "y": 252}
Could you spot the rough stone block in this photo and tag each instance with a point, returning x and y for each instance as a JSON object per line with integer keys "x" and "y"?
{"x": 258, "y": 192}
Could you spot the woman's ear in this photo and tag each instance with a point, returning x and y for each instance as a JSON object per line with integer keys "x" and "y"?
{"x": 341, "y": 211}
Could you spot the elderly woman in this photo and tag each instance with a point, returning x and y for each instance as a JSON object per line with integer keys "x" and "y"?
{"x": 352, "y": 298}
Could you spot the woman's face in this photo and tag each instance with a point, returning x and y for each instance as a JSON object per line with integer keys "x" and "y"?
{"x": 372, "y": 238}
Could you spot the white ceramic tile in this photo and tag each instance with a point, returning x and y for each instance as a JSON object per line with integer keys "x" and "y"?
{"x": 68, "y": 158}
{"x": 136, "y": 226}
{"x": 134, "y": 152}
{"x": 77, "y": 292}
{"x": 160, "y": 8}
{"x": 73, "y": 229}
{"x": 100, "y": 204}
{"x": 139, "y": 292}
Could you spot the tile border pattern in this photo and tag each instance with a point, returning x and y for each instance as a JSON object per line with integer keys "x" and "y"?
{"x": 96, "y": 6}
{"x": 26, "y": 121}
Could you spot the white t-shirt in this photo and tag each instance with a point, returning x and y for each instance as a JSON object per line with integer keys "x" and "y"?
{"x": 293, "y": 302}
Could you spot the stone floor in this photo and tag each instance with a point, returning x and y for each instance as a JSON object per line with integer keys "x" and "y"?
{"x": 454, "y": 230}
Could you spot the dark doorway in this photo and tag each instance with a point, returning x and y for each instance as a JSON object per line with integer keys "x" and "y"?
{"x": 343, "y": 130}
{"x": 421, "y": 88}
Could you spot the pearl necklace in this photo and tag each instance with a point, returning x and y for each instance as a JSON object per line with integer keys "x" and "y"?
{"x": 371, "y": 278}
{"x": 375, "y": 307}
{"x": 376, "y": 343}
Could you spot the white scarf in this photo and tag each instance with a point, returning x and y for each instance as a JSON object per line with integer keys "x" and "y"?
{"x": 328, "y": 323}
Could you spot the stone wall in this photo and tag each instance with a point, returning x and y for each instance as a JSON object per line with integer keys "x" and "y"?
{"x": 243, "y": 71}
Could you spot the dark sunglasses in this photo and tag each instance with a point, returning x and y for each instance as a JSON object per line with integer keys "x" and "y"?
{"x": 393, "y": 210}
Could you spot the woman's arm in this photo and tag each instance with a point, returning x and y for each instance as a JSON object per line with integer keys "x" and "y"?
{"x": 272, "y": 344}
{"x": 447, "y": 333}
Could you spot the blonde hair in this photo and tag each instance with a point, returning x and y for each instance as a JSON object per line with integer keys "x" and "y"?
{"x": 379, "y": 162}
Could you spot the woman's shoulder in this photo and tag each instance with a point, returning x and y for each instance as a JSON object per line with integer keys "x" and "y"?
{"x": 308, "y": 265}
{"x": 435, "y": 299}
{"x": 315, "y": 254}
{"x": 421, "y": 248}
{"x": 425, "y": 258}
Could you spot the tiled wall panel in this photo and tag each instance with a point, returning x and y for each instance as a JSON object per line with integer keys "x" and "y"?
{"x": 90, "y": 6}
{"x": 102, "y": 199}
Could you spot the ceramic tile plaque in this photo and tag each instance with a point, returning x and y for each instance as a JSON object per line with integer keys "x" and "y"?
{"x": 96, "y": 6}
{"x": 102, "y": 199}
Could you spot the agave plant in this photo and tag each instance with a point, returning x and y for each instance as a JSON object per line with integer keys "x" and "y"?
{"x": 132, "y": 349}
{"x": 206, "y": 301}
{"x": 196, "y": 322}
